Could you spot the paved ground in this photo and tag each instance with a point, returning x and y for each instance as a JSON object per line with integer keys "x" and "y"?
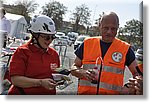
{"x": 67, "y": 62}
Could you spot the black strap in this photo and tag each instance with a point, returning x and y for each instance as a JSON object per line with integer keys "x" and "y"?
{"x": 99, "y": 79}
{"x": 36, "y": 38}
{"x": 22, "y": 92}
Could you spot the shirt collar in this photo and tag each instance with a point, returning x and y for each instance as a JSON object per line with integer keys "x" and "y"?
{"x": 33, "y": 48}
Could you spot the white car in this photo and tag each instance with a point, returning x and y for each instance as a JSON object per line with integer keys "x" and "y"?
{"x": 72, "y": 36}
{"x": 139, "y": 54}
{"x": 64, "y": 40}
{"x": 59, "y": 34}
{"x": 79, "y": 41}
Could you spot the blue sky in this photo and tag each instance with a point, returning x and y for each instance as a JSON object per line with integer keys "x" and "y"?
{"x": 126, "y": 9}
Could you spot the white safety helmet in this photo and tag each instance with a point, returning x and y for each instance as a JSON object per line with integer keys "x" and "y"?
{"x": 42, "y": 24}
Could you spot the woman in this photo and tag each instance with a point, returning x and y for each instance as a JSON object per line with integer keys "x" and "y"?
{"x": 32, "y": 64}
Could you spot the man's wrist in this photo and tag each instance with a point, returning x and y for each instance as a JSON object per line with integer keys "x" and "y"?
{"x": 74, "y": 68}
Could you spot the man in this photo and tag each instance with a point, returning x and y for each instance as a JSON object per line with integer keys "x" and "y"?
{"x": 5, "y": 26}
{"x": 109, "y": 54}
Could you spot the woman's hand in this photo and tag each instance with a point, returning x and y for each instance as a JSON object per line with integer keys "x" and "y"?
{"x": 48, "y": 83}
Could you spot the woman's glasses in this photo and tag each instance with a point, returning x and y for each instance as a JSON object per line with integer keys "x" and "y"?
{"x": 48, "y": 37}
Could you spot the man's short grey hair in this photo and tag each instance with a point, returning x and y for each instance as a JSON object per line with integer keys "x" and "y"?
{"x": 105, "y": 14}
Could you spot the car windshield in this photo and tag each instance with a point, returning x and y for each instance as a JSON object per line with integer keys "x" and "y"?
{"x": 59, "y": 34}
{"x": 140, "y": 52}
{"x": 63, "y": 37}
{"x": 81, "y": 38}
{"x": 69, "y": 35}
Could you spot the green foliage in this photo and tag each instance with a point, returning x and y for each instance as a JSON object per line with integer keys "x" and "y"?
{"x": 132, "y": 32}
{"x": 81, "y": 16}
{"x": 24, "y": 7}
{"x": 55, "y": 10}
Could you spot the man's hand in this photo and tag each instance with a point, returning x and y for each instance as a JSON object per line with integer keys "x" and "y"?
{"x": 136, "y": 84}
{"x": 89, "y": 75}
{"x": 139, "y": 85}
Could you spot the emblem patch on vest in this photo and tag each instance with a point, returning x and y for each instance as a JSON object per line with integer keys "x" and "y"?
{"x": 117, "y": 56}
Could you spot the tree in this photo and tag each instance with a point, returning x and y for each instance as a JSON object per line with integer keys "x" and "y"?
{"x": 1, "y": 3}
{"x": 27, "y": 7}
{"x": 81, "y": 16}
{"x": 55, "y": 10}
{"x": 95, "y": 29}
{"x": 97, "y": 21}
{"x": 30, "y": 5}
{"x": 24, "y": 7}
{"x": 132, "y": 32}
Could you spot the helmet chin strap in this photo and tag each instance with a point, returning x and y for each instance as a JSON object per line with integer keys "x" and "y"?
{"x": 37, "y": 42}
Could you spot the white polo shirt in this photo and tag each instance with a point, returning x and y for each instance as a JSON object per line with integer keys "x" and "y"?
{"x": 5, "y": 25}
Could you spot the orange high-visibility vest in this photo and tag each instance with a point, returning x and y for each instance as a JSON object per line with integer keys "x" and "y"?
{"x": 111, "y": 79}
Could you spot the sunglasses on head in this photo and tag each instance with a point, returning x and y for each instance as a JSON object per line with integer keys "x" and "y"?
{"x": 48, "y": 37}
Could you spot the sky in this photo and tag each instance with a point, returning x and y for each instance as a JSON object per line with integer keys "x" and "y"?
{"x": 126, "y": 9}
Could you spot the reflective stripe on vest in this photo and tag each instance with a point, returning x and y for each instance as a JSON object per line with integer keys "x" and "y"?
{"x": 117, "y": 71}
{"x": 102, "y": 85}
{"x": 113, "y": 70}
{"x": 105, "y": 68}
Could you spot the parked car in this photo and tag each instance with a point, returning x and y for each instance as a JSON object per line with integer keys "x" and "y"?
{"x": 64, "y": 40}
{"x": 15, "y": 45}
{"x": 59, "y": 34}
{"x": 139, "y": 54}
{"x": 79, "y": 41}
{"x": 73, "y": 36}
{"x": 11, "y": 48}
